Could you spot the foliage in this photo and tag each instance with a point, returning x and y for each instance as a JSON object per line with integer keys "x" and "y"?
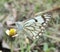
{"x": 25, "y": 42}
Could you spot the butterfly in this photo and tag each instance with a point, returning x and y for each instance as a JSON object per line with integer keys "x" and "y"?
{"x": 34, "y": 27}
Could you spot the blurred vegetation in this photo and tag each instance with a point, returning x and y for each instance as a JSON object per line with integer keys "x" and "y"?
{"x": 26, "y": 9}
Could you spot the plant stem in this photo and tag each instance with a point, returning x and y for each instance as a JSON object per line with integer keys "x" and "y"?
{"x": 11, "y": 47}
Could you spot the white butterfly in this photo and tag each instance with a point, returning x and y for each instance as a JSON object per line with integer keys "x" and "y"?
{"x": 34, "y": 27}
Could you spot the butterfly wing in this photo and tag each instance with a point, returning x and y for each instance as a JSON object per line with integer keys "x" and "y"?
{"x": 34, "y": 26}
